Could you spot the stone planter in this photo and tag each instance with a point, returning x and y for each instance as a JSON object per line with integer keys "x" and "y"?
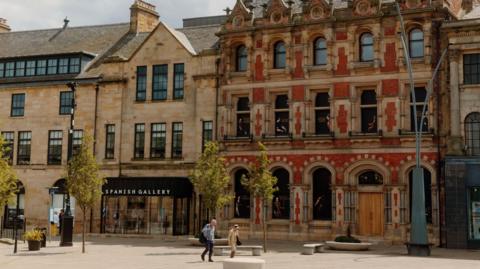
{"x": 348, "y": 246}
{"x": 33, "y": 245}
{"x": 219, "y": 242}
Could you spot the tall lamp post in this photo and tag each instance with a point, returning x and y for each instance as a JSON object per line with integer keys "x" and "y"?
{"x": 418, "y": 245}
{"x": 15, "y": 220}
{"x": 67, "y": 220}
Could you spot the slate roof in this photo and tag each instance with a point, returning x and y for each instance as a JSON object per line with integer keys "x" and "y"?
{"x": 202, "y": 37}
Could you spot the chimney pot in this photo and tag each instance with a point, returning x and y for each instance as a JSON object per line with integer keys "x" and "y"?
{"x": 143, "y": 17}
{"x": 4, "y": 28}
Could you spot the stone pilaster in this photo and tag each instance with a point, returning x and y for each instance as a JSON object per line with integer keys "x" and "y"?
{"x": 455, "y": 140}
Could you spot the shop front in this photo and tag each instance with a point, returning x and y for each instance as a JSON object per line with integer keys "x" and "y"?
{"x": 157, "y": 206}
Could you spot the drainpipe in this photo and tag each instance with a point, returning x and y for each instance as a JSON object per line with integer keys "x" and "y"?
{"x": 217, "y": 91}
{"x": 97, "y": 88}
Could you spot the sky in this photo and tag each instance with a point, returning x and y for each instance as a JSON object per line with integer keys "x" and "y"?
{"x": 42, "y": 14}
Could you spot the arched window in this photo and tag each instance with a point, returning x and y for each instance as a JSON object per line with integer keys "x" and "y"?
{"x": 472, "y": 133}
{"x": 420, "y": 98}
{"x": 320, "y": 51}
{"x": 366, "y": 47}
{"x": 282, "y": 115}
{"x": 59, "y": 191}
{"x": 322, "y": 194}
{"x": 368, "y": 109}
{"x": 370, "y": 178}
{"x": 242, "y": 196}
{"x": 281, "y": 198}
{"x": 427, "y": 177}
{"x": 11, "y": 209}
{"x": 322, "y": 113}
{"x": 241, "y": 58}
{"x": 243, "y": 117}
{"x": 416, "y": 43}
{"x": 279, "y": 51}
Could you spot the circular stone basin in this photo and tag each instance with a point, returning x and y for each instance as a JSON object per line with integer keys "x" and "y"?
{"x": 219, "y": 242}
{"x": 348, "y": 246}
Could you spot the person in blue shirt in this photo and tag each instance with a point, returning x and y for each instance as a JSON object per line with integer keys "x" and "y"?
{"x": 209, "y": 233}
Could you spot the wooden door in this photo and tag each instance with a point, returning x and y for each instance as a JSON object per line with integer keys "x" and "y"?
{"x": 370, "y": 211}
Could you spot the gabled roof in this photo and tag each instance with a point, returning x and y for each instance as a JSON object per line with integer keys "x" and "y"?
{"x": 202, "y": 37}
{"x": 94, "y": 40}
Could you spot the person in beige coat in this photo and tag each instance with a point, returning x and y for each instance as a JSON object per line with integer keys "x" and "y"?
{"x": 232, "y": 239}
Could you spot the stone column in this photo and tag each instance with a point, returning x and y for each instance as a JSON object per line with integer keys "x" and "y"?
{"x": 455, "y": 140}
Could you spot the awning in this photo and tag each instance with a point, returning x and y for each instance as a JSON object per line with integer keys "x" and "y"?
{"x": 148, "y": 186}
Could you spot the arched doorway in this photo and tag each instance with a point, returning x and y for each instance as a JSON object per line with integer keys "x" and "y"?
{"x": 281, "y": 198}
{"x": 370, "y": 203}
{"x": 242, "y": 196}
{"x": 59, "y": 194}
{"x": 322, "y": 194}
{"x": 427, "y": 177}
{"x": 11, "y": 209}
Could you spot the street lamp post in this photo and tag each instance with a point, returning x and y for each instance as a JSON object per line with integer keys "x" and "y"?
{"x": 418, "y": 245}
{"x": 15, "y": 222}
{"x": 67, "y": 220}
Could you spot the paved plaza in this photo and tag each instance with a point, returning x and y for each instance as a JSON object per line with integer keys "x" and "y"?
{"x": 120, "y": 253}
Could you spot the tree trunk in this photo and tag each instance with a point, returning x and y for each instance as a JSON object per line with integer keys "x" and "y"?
{"x": 264, "y": 228}
{"x": 83, "y": 229}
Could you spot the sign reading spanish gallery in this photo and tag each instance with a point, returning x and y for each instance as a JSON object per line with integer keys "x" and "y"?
{"x": 177, "y": 187}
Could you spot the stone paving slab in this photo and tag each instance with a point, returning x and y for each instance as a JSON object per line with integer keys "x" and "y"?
{"x": 129, "y": 253}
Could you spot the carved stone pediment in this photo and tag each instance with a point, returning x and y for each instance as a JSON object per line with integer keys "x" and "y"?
{"x": 412, "y": 4}
{"x": 276, "y": 11}
{"x": 364, "y": 8}
{"x": 317, "y": 9}
{"x": 240, "y": 16}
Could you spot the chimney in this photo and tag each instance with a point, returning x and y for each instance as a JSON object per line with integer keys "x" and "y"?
{"x": 143, "y": 17}
{"x": 4, "y": 28}
{"x": 467, "y": 5}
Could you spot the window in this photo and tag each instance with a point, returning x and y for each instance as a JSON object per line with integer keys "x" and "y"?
{"x": 322, "y": 194}
{"x": 139, "y": 151}
{"x": 30, "y": 71}
{"x": 41, "y": 67}
{"x": 320, "y": 51}
{"x": 474, "y": 213}
{"x": 74, "y": 65}
{"x": 2, "y": 70}
{"x": 8, "y": 138}
{"x": 55, "y": 147}
{"x": 160, "y": 82}
{"x": 9, "y": 69}
{"x": 141, "y": 83}
{"x": 18, "y": 105}
{"x": 20, "y": 69}
{"x": 282, "y": 115}
{"x": 66, "y": 102}
{"x": 158, "y": 140}
{"x": 279, "y": 51}
{"x": 110, "y": 141}
{"x": 368, "y": 109}
{"x": 177, "y": 137}
{"x": 24, "y": 147}
{"x": 207, "y": 132}
{"x": 63, "y": 66}
{"x": 178, "y": 82}
{"x": 322, "y": 113}
{"x": 472, "y": 133}
{"x": 471, "y": 68}
{"x": 243, "y": 117}
{"x": 350, "y": 206}
{"x": 388, "y": 206}
{"x": 52, "y": 66}
{"x": 281, "y": 198}
{"x": 427, "y": 177}
{"x": 416, "y": 43}
{"x": 370, "y": 178}
{"x": 366, "y": 47}
{"x": 77, "y": 139}
{"x": 242, "y": 196}
{"x": 420, "y": 97}
{"x": 242, "y": 58}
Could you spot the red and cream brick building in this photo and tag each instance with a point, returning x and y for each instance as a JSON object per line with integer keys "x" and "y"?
{"x": 325, "y": 87}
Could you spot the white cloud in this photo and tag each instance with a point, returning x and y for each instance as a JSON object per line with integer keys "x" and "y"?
{"x": 40, "y": 14}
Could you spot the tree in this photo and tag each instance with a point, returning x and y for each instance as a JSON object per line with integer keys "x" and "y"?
{"x": 8, "y": 178}
{"x": 83, "y": 180}
{"x": 210, "y": 178}
{"x": 260, "y": 183}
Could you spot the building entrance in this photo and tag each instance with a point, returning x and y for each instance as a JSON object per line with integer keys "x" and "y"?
{"x": 370, "y": 214}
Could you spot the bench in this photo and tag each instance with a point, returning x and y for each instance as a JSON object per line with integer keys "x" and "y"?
{"x": 243, "y": 263}
{"x": 219, "y": 250}
{"x": 309, "y": 249}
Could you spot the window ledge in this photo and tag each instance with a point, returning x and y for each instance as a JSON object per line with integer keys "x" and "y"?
{"x": 323, "y": 67}
{"x": 17, "y": 117}
{"x": 238, "y": 138}
{"x": 277, "y": 71}
{"x": 369, "y": 64}
{"x": 467, "y": 86}
{"x": 238, "y": 73}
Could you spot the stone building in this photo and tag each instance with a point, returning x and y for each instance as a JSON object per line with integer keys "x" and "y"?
{"x": 462, "y": 157}
{"x": 146, "y": 93}
{"x": 324, "y": 85}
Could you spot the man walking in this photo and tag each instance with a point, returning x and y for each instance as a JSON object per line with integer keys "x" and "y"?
{"x": 233, "y": 240}
{"x": 209, "y": 233}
